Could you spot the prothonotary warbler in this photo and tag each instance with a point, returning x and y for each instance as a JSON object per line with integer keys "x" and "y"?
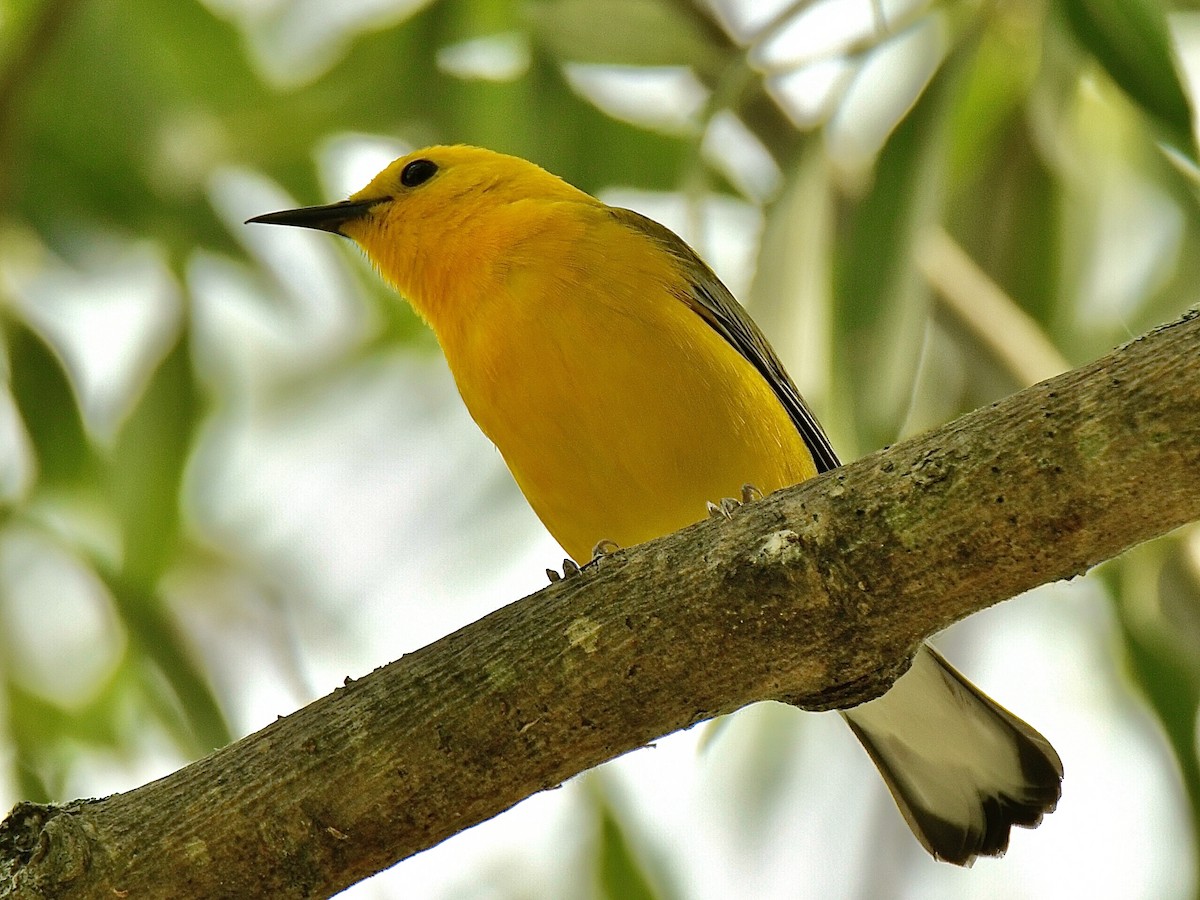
{"x": 625, "y": 387}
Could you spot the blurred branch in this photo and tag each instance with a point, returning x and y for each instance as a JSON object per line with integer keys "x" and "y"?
{"x": 995, "y": 319}
{"x": 753, "y": 104}
{"x": 815, "y": 596}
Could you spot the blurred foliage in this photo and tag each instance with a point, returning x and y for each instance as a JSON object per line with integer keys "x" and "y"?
{"x": 620, "y": 875}
{"x": 1032, "y": 132}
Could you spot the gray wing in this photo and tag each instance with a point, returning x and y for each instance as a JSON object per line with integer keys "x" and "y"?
{"x": 712, "y": 301}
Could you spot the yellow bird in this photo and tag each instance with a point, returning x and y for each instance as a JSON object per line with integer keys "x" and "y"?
{"x": 625, "y": 387}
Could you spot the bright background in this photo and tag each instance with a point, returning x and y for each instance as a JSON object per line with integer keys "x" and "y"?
{"x": 233, "y": 468}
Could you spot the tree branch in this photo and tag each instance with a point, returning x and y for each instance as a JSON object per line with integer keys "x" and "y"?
{"x": 814, "y": 596}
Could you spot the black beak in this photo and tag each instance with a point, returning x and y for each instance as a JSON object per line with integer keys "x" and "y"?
{"x": 323, "y": 218}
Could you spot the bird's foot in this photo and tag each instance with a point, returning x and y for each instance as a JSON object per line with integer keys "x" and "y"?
{"x": 571, "y": 568}
{"x": 724, "y": 509}
{"x": 604, "y": 548}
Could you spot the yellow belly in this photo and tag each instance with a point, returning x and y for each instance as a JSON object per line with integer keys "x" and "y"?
{"x": 619, "y": 415}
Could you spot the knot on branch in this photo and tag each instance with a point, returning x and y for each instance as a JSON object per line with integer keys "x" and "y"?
{"x": 45, "y": 847}
{"x": 833, "y": 652}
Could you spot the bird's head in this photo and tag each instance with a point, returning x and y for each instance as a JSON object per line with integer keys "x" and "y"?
{"x": 435, "y": 213}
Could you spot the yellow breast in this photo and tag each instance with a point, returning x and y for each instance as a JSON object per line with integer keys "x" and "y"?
{"x": 617, "y": 409}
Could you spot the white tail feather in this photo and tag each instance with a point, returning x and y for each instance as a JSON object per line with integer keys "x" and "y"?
{"x": 962, "y": 769}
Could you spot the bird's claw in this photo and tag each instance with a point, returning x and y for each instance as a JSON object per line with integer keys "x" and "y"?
{"x": 724, "y": 509}
{"x": 571, "y": 568}
{"x": 604, "y": 548}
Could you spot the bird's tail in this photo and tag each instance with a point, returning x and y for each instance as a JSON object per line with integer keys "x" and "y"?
{"x": 962, "y": 769}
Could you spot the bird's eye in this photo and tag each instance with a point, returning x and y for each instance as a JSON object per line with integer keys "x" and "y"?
{"x": 417, "y": 172}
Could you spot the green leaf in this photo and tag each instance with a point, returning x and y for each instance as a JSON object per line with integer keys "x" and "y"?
{"x": 1008, "y": 217}
{"x": 117, "y": 127}
{"x": 619, "y": 875}
{"x": 996, "y": 86}
{"x": 1129, "y": 38}
{"x": 880, "y": 300}
{"x": 625, "y": 33}
{"x": 146, "y": 468}
{"x": 1162, "y": 650}
{"x": 48, "y": 407}
{"x": 48, "y": 737}
{"x": 156, "y": 639}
